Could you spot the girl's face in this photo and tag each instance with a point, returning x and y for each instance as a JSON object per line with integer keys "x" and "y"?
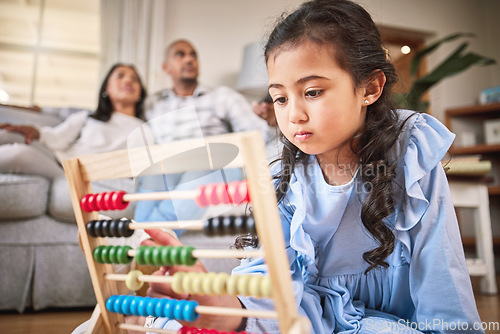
{"x": 123, "y": 86}
{"x": 317, "y": 107}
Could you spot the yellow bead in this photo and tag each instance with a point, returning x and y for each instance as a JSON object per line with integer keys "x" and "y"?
{"x": 177, "y": 282}
{"x": 132, "y": 282}
{"x": 196, "y": 283}
{"x": 208, "y": 284}
{"x": 187, "y": 282}
{"x": 220, "y": 283}
{"x": 266, "y": 286}
{"x": 242, "y": 285}
{"x": 232, "y": 285}
{"x": 254, "y": 286}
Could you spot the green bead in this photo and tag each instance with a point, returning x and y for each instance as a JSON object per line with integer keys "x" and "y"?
{"x": 174, "y": 256}
{"x": 105, "y": 254}
{"x": 156, "y": 256}
{"x": 186, "y": 256}
{"x": 148, "y": 255}
{"x": 165, "y": 255}
{"x": 122, "y": 255}
{"x": 112, "y": 254}
{"x": 97, "y": 254}
{"x": 139, "y": 255}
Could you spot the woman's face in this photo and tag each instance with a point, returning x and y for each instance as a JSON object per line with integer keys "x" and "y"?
{"x": 317, "y": 107}
{"x": 123, "y": 86}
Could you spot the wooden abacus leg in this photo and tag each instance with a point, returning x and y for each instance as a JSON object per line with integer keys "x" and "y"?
{"x": 300, "y": 326}
{"x": 96, "y": 323}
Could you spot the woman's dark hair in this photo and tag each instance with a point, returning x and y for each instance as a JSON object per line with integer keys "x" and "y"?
{"x": 105, "y": 107}
{"x": 356, "y": 46}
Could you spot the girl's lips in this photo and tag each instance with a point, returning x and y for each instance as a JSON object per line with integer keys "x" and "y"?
{"x": 301, "y": 136}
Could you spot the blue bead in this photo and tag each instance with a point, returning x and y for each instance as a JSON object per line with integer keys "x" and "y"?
{"x": 110, "y": 302}
{"x": 117, "y": 305}
{"x": 179, "y": 309}
{"x": 189, "y": 313}
{"x": 125, "y": 309}
{"x": 168, "y": 311}
{"x": 134, "y": 304}
{"x": 143, "y": 304}
{"x": 160, "y": 307}
{"x": 151, "y": 306}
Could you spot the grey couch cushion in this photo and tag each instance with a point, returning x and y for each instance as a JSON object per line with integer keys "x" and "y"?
{"x": 61, "y": 208}
{"x": 18, "y": 116}
{"x": 22, "y": 196}
{"x": 45, "y": 263}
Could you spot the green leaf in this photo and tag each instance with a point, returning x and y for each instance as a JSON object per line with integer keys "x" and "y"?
{"x": 417, "y": 58}
{"x": 454, "y": 64}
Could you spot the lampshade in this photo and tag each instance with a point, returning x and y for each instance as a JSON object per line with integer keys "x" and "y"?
{"x": 253, "y": 79}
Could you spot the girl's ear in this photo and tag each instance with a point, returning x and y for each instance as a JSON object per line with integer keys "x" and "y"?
{"x": 374, "y": 87}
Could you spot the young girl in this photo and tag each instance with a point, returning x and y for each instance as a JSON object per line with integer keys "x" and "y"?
{"x": 120, "y": 110}
{"x": 372, "y": 237}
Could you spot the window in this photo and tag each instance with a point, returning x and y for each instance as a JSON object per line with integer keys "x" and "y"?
{"x": 49, "y": 52}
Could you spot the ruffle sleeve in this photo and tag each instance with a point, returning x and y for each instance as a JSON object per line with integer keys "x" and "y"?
{"x": 424, "y": 141}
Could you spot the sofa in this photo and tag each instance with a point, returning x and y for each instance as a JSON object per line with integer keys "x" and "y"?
{"x": 41, "y": 260}
{"x": 42, "y": 263}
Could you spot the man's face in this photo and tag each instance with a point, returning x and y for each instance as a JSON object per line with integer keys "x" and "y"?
{"x": 181, "y": 62}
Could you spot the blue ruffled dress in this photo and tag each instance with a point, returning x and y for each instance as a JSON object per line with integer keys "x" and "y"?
{"x": 426, "y": 287}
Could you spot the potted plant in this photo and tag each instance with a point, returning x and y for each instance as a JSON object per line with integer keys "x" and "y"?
{"x": 458, "y": 61}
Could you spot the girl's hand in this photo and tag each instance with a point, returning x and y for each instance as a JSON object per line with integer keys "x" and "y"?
{"x": 29, "y": 132}
{"x": 164, "y": 290}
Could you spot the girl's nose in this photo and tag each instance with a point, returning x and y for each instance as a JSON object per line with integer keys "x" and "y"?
{"x": 297, "y": 113}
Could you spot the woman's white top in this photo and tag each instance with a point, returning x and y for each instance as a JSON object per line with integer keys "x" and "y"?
{"x": 81, "y": 135}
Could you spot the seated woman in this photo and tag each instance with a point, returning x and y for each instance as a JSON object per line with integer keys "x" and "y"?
{"x": 120, "y": 110}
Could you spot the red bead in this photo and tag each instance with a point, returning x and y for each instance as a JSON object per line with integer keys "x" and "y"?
{"x": 118, "y": 203}
{"x": 93, "y": 203}
{"x": 232, "y": 188}
{"x": 201, "y": 197}
{"x": 222, "y": 193}
{"x": 211, "y": 192}
{"x": 240, "y": 194}
{"x": 101, "y": 203}
{"x": 245, "y": 190}
{"x": 84, "y": 203}
{"x": 108, "y": 199}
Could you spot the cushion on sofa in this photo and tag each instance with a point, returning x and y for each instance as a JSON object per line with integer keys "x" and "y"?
{"x": 22, "y": 196}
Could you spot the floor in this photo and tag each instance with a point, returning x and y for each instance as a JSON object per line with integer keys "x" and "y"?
{"x": 64, "y": 321}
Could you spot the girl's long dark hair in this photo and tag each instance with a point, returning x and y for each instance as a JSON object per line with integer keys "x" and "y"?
{"x": 356, "y": 45}
{"x": 104, "y": 105}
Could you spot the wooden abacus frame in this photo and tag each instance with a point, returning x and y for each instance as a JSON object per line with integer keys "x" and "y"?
{"x": 81, "y": 171}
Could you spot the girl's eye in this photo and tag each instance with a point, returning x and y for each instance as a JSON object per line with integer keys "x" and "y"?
{"x": 314, "y": 93}
{"x": 280, "y": 100}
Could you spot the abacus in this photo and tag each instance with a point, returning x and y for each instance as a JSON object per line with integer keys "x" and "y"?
{"x": 108, "y": 316}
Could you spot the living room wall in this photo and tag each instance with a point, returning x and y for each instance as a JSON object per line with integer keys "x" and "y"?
{"x": 221, "y": 28}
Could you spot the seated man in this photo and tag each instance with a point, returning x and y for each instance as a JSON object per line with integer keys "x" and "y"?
{"x": 190, "y": 110}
